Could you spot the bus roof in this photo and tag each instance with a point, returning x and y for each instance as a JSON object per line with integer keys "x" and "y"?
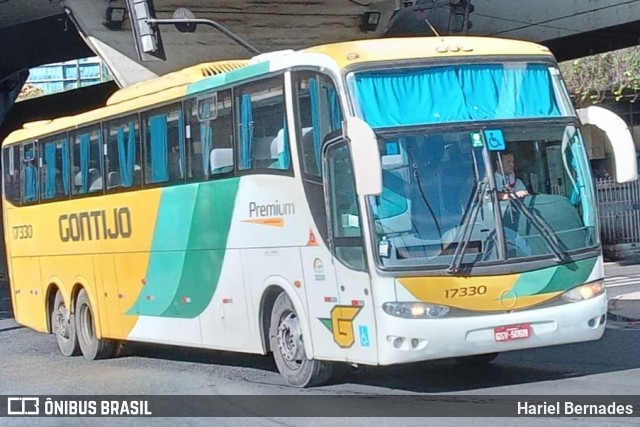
{"x": 172, "y": 86}
{"x": 374, "y": 50}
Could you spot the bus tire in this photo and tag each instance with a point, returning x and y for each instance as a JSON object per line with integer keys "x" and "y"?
{"x": 63, "y": 326}
{"x": 91, "y": 346}
{"x": 286, "y": 340}
{"x": 476, "y": 359}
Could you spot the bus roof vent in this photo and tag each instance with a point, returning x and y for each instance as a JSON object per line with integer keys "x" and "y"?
{"x": 175, "y": 79}
{"x": 264, "y": 57}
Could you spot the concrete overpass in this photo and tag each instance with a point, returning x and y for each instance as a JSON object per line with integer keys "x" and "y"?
{"x": 35, "y": 32}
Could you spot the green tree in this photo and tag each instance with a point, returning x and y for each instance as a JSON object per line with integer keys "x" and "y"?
{"x": 615, "y": 73}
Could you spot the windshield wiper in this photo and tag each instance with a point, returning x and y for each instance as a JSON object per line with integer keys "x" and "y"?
{"x": 543, "y": 227}
{"x": 467, "y": 227}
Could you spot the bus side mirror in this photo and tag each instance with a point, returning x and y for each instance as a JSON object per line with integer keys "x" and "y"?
{"x": 365, "y": 155}
{"x": 617, "y": 131}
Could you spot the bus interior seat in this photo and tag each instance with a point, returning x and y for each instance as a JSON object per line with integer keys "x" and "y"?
{"x": 113, "y": 180}
{"x": 277, "y": 150}
{"x": 261, "y": 152}
{"x": 221, "y": 160}
{"x": 95, "y": 179}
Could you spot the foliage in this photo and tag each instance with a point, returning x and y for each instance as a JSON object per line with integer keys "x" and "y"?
{"x": 613, "y": 74}
{"x": 30, "y": 91}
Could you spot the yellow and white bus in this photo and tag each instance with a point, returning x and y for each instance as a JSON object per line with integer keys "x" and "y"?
{"x": 344, "y": 203}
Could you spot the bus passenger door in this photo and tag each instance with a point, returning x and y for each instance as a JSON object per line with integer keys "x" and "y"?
{"x": 353, "y": 318}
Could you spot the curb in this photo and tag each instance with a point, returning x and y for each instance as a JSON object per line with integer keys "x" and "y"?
{"x": 8, "y": 324}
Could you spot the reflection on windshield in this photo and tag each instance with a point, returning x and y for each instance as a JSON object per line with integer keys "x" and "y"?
{"x": 431, "y": 213}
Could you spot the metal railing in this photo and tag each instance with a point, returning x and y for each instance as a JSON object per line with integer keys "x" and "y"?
{"x": 619, "y": 211}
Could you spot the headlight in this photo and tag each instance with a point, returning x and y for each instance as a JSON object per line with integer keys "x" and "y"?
{"x": 584, "y": 292}
{"x": 415, "y": 310}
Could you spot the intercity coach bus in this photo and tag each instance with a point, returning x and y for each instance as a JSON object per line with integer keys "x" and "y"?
{"x": 344, "y": 203}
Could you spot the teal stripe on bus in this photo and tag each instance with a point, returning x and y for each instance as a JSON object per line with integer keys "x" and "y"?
{"x": 166, "y": 261}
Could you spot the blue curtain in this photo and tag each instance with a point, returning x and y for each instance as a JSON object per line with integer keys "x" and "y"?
{"x": 315, "y": 119}
{"x": 335, "y": 112}
{"x": 85, "y": 152}
{"x": 181, "y": 144}
{"x": 127, "y": 154}
{"x": 66, "y": 169}
{"x": 206, "y": 135}
{"x": 246, "y": 134}
{"x": 159, "y": 156}
{"x": 50, "y": 170}
{"x": 284, "y": 157}
{"x": 455, "y": 93}
{"x": 31, "y": 183}
{"x": 580, "y": 165}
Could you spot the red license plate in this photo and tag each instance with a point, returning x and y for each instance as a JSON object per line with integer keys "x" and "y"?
{"x": 513, "y": 332}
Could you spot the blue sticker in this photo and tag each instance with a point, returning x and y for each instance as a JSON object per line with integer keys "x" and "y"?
{"x": 392, "y": 148}
{"x": 495, "y": 139}
{"x": 364, "y": 336}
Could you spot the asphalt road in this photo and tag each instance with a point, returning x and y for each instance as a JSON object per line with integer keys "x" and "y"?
{"x": 30, "y": 364}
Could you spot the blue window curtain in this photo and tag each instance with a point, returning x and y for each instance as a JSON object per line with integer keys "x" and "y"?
{"x": 284, "y": 157}
{"x": 455, "y": 93}
{"x": 127, "y": 154}
{"x": 159, "y": 155}
{"x": 85, "y": 152}
{"x": 335, "y": 112}
{"x": 315, "y": 119}
{"x": 30, "y": 183}
{"x": 50, "y": 170}
{"x": 181, "y": 149}
{"x": 206, "y": 135}
{"x": 66, "y": 167}
{"x": 583, "y": 186}
{"x": 246, "y": 131}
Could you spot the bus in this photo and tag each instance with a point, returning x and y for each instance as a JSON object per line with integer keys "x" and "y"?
{"x": 335, "y": 204}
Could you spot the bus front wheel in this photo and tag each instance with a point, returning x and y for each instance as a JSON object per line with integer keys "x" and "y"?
{"x": 286, "y": 340}
{"x": 91, "y": 346}
{"x": 64, "y": 327}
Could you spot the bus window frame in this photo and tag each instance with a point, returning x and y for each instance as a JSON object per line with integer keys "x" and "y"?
{"x": 237, "y": 93}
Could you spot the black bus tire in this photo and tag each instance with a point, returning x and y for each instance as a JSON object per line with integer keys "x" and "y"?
{"x": 63, "y": 326}
{"x": 91, "y": 346}
{"x": 286, "y": 340}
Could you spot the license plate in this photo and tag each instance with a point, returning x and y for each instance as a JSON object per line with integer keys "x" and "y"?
{"x": 513, "y": 332}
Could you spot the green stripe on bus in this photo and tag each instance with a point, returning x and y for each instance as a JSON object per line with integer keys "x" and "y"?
{"x": 210, "y": 226}
{"x": 554, "y": 279}
{"x": 188, "y": 249}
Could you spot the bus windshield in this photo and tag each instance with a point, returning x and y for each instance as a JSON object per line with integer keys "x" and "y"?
{"x": 446, "y": 189}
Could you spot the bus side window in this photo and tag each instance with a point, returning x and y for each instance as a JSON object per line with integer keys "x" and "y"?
{"x": 87, "y": 164}
{"x": 11, "y": 169}
{"x": 55, "y": 167}
{"x": 210, "y": 136}
{"x": 123, "y": 156}
{"x": 263, "y": 142}
{"x": 164, "y": 145}
{"x": 318, "y": 115}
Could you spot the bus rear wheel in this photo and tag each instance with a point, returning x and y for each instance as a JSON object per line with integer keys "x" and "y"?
{"x": 91, "y": 346}
{"x": 64, "y": 327}
{"x": 285, "y": 337}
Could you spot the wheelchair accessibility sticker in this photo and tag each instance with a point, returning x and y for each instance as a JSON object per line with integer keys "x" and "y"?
{"x": 494, "y": 139}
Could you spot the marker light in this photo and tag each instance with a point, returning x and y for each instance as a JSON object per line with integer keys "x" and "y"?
{"x": 415, "y": 310}
{"x": 584, "y": 292}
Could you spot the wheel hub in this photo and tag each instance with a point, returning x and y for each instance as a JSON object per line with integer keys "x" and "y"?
{"x": 290, "y": 339}
{"x": 62, "y": 322}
